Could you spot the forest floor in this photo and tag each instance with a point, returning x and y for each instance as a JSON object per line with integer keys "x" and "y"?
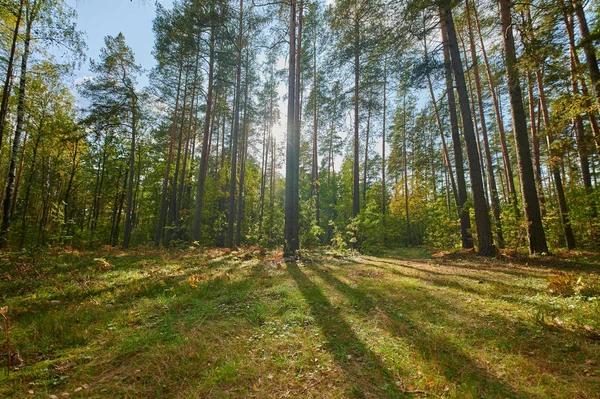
{"x": 245, "y": 324}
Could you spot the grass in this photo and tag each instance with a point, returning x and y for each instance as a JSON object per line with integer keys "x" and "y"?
{"x": 214, "y": 324}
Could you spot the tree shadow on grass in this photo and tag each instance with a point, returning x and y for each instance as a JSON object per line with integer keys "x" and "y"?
{"x": 455, "y": 363}
{"x": 494, "y": 289}
{"x": 366, "y": 373}
{"x": 517, "y": 270}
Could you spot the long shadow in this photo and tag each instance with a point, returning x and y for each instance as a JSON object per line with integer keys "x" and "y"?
{"x": 501, "y": 290}
{"x": 348, "y": 350}
{"x": 507, "y": 292}
{"x": 456, "y": 364}
{"x": 492, "y": 269}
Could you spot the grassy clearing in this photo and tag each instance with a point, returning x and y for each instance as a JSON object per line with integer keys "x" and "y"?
{"x": 214, "y": 324}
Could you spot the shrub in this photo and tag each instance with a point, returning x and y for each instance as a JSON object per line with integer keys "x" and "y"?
{"x": 568, "y": 284}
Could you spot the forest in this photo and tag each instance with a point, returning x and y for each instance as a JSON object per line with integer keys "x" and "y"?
{"x": 381, "y": 198}
{"x": 405, "y": 124}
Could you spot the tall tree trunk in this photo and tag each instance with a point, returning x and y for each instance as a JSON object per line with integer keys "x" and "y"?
{"x": 235, "y": 134}
{"x": 582, "y": 142}
{"x": 471, "y": 97}
{"x": 493, "y": 188}
{"x": 67, "y": 196}
{"x": 298, "y": 122}
{"x": 383, "y": 138}
{"x": 243, "y": 155}
{"x": 165, "y": 186}
{"x": 129, "y": 209}
{"x": 356, "y": 189}
{"x": 119, "y": 201}
{"x": 13, "y": 201}
{"x": 32, "y": 171}
{"x": 554, "y": 160}
{"x": 535, "y": 142}
{"x": 405, "y": 172}
{"x": 291, "y": 244}
{"x": 6, "y": 216}
{"x": 588, "y": 48}
{"x": 482, "y": 217}
{"x": 191, "y": 128}
{"x": 465, "y": 221}
{"x": 9, "y": 72}
{"x": 204, "y": 152}
{"x": 535, "y": 229}
{"x": 173, "y": 214}
{"x": 315, "y": 154}
{"x": 498, "y": 114}
{"x": 366, "y": 165}
{"x": 438, "y": 119}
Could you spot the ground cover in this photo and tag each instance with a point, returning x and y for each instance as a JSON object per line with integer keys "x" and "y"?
{"x": 246, "y": 324}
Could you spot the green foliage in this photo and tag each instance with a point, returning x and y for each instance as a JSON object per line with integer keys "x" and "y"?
{"x": 310, "y": 232}
{"x": 337, "y": 240}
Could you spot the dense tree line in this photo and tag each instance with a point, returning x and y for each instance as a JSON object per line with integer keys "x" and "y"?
{"x": 303, "y": 123}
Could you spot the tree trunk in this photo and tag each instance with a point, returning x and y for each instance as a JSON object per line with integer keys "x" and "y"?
{"x": 129, "y": 209}
{"x": 13, "y": 200}
{"x": 173, "y": 214}
{"x": 6, "y": 216}
{"x": 443, "y": 139}
{"x": 499, "y": 121}
{"x": 9, "y": 70}
{"x": 383, "y": 137}
{"x": 535, "y": 229}
{"x": 366, "y": 164}
{"x": 535, "y": 142}
{"x": 298, "y": 123}
{"x": 204, "y": 155}
{"x": 235, "y": 134}
{"x": 482, "y": 217}
{"x": 554, "y": 160}
{"x": 32, "y": 170}
{"x": 465, "y": 222}
{"x": 582, "y": 142}
{"x": 291, "y": 243}
{"x": 405, "y": 172}
{"x": 356, "y": 190}
{"x": 588, "y": 48}
{"x": 243, "y": 155}
{"x": 315, "y": 154}
{"x": 165, "y": 186}
{"x": 494, "y": 199}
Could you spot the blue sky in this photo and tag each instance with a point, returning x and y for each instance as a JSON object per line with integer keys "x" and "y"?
{"x": 99, "y": 18}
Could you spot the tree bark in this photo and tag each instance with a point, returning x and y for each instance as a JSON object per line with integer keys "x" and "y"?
{"x": 554, "y": 160}
{"x": 499, "y": 121}
{"x": 6, "y": 216}
{"x": 494, "y": 199}
{"x": 235, "y": 134}
{"x": 588, "y": 49}
{"x": 204, "y": 154}
{"x": 165, "y": 186}
{"x": 243, "y": 155}
{"x": 129, "y": 209}
{"x": 535, "y": 229}
{"x": 356, "y": 179}
{"x": 465, "y": 222}
{"x": 291, "y": 241}
{"x": 482, "y": 217}
{"x": 9, "y": 70}
{"x": 315, "y": 154}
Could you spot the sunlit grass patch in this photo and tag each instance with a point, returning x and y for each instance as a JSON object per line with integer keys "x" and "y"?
{"x": 243, "y": 324}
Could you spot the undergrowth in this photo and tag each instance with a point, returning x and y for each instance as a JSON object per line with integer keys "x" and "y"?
{"x": 244, "y": 324}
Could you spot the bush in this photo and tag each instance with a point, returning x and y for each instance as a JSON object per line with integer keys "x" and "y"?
{"x": 568, "y": 284}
